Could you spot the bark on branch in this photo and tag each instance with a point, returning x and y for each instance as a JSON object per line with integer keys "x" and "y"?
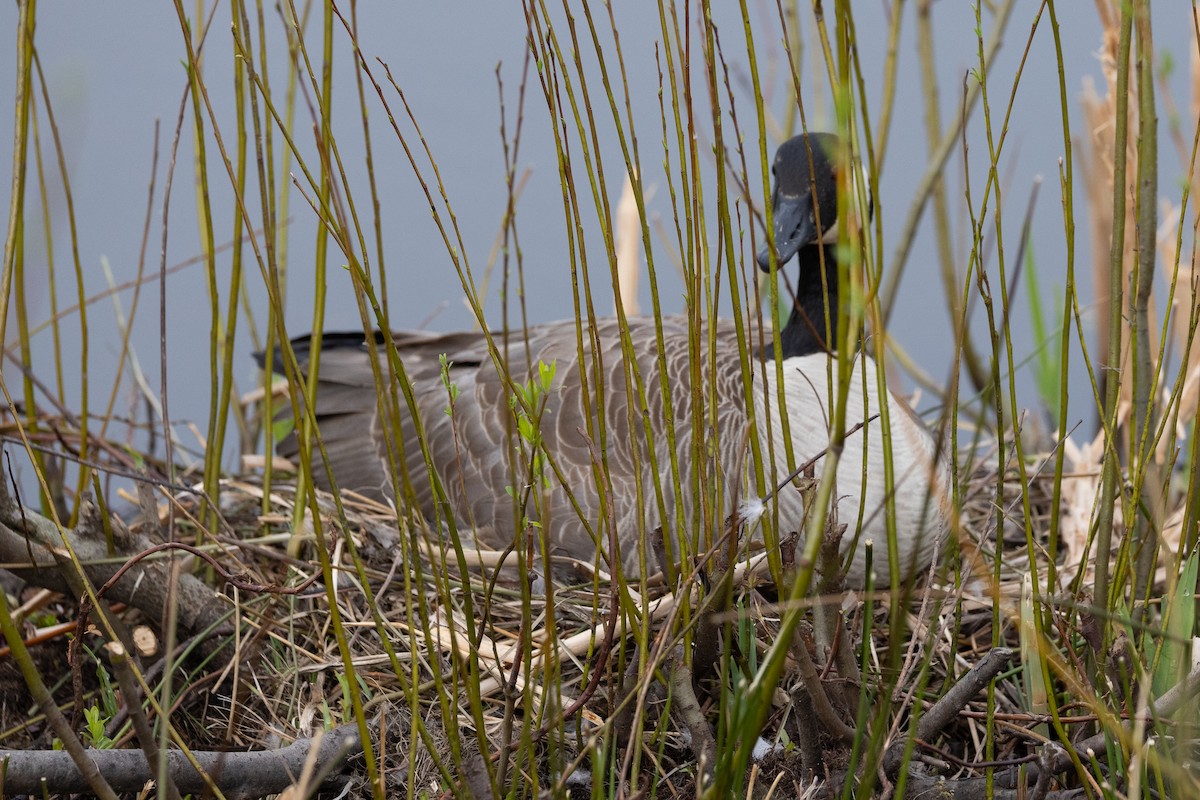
{"x": 32, "y": 547}
{"x": 237, "y": 774}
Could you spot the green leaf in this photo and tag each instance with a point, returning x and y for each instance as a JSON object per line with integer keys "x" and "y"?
{"x": 107, "y": 693}
{"x": 139, "y": 461}
{"x": 1037, "y": 693}
{"x": 94, "y": 729}
{"x": 1046, "y": 369}
{"x": 281, "y": 427}
{"x": 451, "y": 387}
{"x": 1179, "y": 612}
{"x": 547, "y": 374}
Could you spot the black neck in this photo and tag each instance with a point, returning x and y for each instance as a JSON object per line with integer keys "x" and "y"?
{"x": 806, "y": 331}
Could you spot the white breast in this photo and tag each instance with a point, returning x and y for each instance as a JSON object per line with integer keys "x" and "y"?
{"x": 921, "y": 485}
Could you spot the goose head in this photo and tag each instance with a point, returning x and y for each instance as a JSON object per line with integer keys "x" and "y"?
{"x": 805, "y": 196}
{"x": 805, "y": 206}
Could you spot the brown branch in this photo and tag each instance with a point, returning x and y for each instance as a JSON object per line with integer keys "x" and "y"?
{"x": 35, "y": 549}
{"x": 686, "y": 708}
{"x": 1051, "y": 762}
{"x": 237, "y": 774}
{"x": 834, "y": 726}
{"x": 131, "y": 696}
{"x": 943, "y": 712}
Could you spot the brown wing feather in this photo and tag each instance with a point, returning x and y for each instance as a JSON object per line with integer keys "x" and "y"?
{"x": 471, "y": 450}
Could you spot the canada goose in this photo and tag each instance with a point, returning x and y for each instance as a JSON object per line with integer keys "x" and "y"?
{"x": 469, "y": 448}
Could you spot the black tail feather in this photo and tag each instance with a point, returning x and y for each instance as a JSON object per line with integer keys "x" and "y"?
{"x": 302, "y": 345}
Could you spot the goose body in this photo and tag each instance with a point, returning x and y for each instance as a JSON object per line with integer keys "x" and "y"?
{"x": 471, "y": 447}
{"x": 921, "y": 476}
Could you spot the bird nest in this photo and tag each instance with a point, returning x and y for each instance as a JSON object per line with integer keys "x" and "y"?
{"x": 491, "y": 662}
{"x": 472, "y": 671}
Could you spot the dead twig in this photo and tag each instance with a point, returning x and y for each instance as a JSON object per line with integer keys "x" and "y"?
{"x": 941, "y": 713}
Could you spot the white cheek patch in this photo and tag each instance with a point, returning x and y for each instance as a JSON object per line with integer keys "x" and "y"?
{"x": 829, "y": 235}
{"x": 860, "y": 192}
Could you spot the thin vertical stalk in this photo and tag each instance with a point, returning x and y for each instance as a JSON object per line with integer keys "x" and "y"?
{"x": 764, "y": 464}
{"x": 193, "y": 66}
{"x": 1142, "y": 446}
{"x": 207, "y": 244}
{"x": 31, "y": 418}
{"x": 84, "y": 415}
{"x": 226, "y": 333}
{"x": 1111, "y": 473}
{"x": 1067, "y": 178}
{"x": 889, "y": 84}
{"x": 275, "y": 234}
{"x": 16, "y": 201}
{"x": 22, "y": 313}
{"x": 306, "y": 430}
{"x": 941, "y": 213}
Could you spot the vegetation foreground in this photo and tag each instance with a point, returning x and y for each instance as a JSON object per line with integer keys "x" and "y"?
{"x": 175, "y": 628}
